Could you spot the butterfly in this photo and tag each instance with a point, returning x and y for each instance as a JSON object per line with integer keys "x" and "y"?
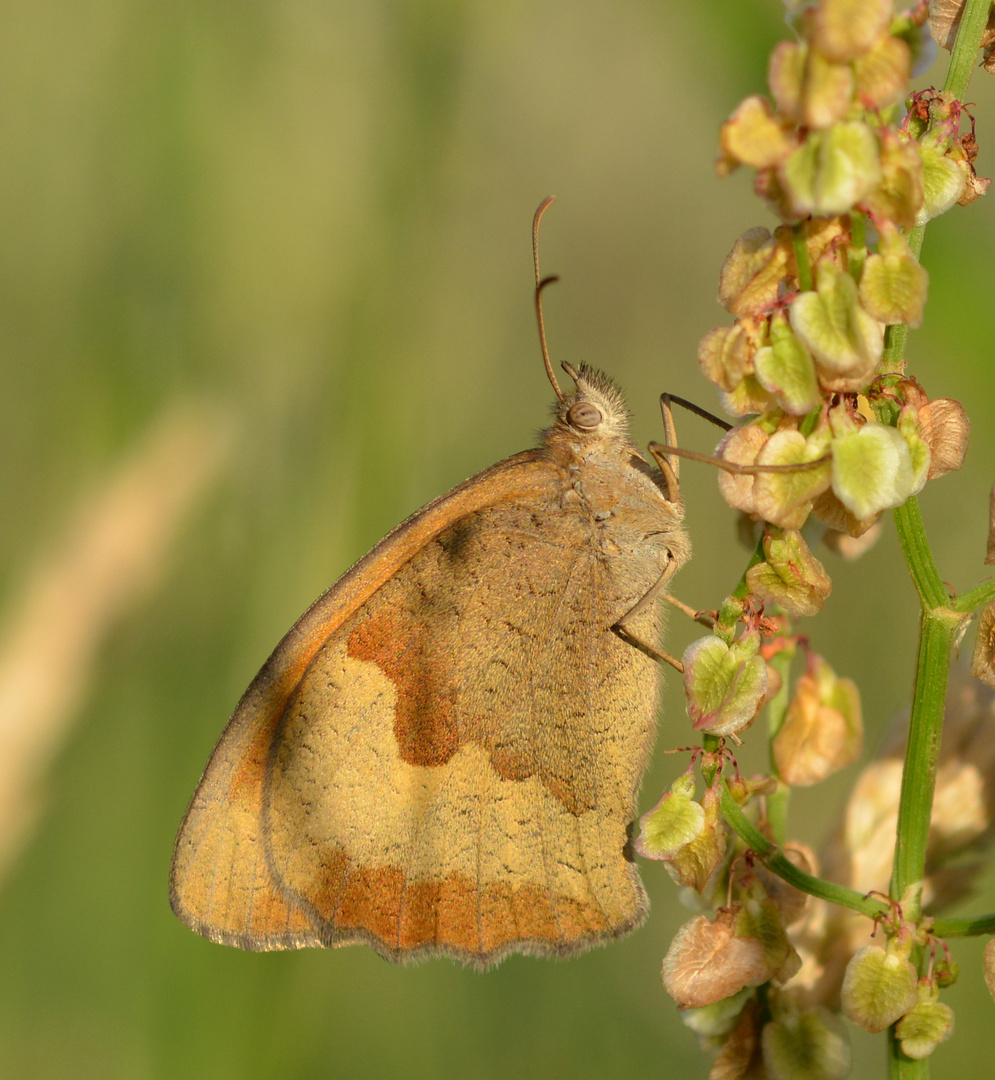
{"x": 443, "y": 754}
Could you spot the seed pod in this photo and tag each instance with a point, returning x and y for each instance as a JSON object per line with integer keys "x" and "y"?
{"x": 929, "y": 1023}
{"x": 693, "y": 865}
{"x": 751, "y": 275}
{"x": 811, "y": 1044}
{"x": 946, "y": 428}
{"x": 676, "y": 820}
{"x": 872, "y": 469}
{"x": 893, "y": 285}
{"x": 845, "y": 29}
{"x": 725, "y": 685}
{"x": 786, "y": 369}
{"x": 832, "y": 170}
{"x": 844, "y": 339}
{"x": 707, "y": 961}
{"x": 879, "y": 987}
{"x": 790, "y": 575}
{"x": 752, "y": 136}
{"x": 823, "y": 729}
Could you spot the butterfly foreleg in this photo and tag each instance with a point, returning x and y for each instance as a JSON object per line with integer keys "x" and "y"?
{"x": 649, "y": 597}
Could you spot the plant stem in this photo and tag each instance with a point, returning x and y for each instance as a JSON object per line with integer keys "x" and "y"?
{"x": 777, "y": 710}
{"x": 964, "y": 56}
{"x": 938, "y": 623}
{"x": 936, "y": 633}
{"x": 773, "y": 858}
{"x": 974, "y": 599}
{"x": 902, "y": 1068}
{"x": 801, "y": 258}
{"x": 918, "y": 556}
{"x": 972, "y": 927}
{"x": 937, "y": 627}
{"x": 895, "y": 336}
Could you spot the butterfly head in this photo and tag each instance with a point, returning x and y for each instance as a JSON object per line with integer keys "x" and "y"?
{"x": 592, "y": 430}
{"x": 595, "y": 412}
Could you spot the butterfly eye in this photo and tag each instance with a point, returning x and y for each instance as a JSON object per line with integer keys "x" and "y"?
{"x": 584, "y": 415}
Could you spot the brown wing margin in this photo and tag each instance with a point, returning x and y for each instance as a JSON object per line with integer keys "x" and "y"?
{"x": 220, "y": 885}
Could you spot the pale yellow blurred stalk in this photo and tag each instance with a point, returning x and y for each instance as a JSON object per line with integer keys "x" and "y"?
{"x": 112, "y": 553}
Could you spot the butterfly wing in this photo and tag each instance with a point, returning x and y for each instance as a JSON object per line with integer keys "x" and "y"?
{"x": 443, "y": 754}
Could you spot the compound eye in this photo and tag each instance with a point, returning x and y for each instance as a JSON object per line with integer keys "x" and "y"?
{"x": 584, "y": 416}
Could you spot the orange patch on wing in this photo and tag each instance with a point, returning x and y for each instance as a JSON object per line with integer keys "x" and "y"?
{"x": 533, "y": 914}
{"x": 424, "y": 727}
{"x": 452, "y": 915}
{"x": 371, "y": 901}
{"x": 578, "y": 920}
{"x": 419, "y": 915}
{"x": 459, "y": 915}
{"x": 425, "y": 724}
{"x": 327, "y": 893}
{"x": 499, "y": 921}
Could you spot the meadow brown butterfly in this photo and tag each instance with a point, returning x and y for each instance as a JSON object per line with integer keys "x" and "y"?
{"x": 442, "y": 756}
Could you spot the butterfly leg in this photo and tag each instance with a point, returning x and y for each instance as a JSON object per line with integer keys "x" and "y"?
{"x": 706, "y": 618}
{"x": 644, "y": 602}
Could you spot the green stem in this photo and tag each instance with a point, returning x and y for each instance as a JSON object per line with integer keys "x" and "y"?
{"x": 858, "y": 245}
{"x": 773, "y": 858}
{"x": 801, "y": 258}
{"x": 735, "y": 603}
{"x": 777, "y": 710}
{"x": 742, "y": 590}
{"x": 918, "y": 556}
{"x": 973, "y": 927}
{"x": 938, "y": 623}
{"x": 936, "y": 634}
{"x": 964, "y": 56}
{"x": 902, "y": 1068}
{"x": 777, "y": 812}
{"x": 895, "y": 336}
{"x": 974, "y": 599}
{"x": 777, "y": 707}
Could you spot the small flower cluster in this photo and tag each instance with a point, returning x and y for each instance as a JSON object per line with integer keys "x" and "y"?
{"x": 806, "y": 360}
{"x": 733, "y": 973}
{"x": 763, "y": 977}
{"x": 718, "y": 962}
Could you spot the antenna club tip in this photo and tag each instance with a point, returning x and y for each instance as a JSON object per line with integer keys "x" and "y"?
{"x": 541, "y": 283}
{"x": 543, "y": 207}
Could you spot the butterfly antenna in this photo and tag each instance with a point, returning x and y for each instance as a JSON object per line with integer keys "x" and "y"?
{"x": 541, "y": 284}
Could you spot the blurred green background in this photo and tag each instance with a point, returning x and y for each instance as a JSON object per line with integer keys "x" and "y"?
{"x": 272, "y": 260}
